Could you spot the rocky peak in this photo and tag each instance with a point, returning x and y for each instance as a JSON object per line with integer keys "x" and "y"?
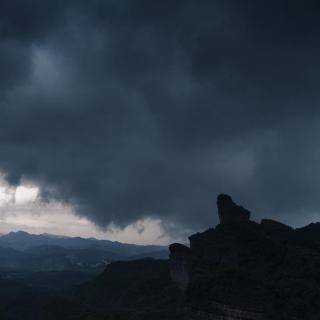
{"x": 230, "y": 212}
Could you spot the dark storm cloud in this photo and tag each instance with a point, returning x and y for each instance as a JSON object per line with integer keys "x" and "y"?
{"x": 129, "y": 109}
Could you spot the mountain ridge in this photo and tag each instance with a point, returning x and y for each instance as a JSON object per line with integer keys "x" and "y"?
{"x": 49, "y": 252}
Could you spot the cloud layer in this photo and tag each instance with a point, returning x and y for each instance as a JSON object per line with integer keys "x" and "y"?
{"x": 134, "y": 109}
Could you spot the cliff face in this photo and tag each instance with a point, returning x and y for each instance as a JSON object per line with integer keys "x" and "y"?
{"x": 242, "y": 270}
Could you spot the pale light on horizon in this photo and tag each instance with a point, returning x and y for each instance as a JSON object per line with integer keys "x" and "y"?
{"x": 22, "y": 209}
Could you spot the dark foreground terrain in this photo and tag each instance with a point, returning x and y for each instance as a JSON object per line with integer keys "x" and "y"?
{"x": 140, "y": 289}
{"x": 239, "y": 270}
{"x": 248, "y": 271}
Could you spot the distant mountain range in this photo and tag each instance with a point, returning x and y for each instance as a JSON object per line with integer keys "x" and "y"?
{"x": 23, "y": 251}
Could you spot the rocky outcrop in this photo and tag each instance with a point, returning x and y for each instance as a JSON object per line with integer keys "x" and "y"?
{"x": 243, "y": 270}
{"x": 180, "y": 265}
{"x": 229, "y": 212}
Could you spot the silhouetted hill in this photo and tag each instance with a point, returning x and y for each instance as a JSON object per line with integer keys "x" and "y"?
{"x": 159, "y": 254}
{"x": 310, "y": 232}
{"x": 11, "y": 258}
{"x": 140, "y": 289}
{"x": 246, "y": 270}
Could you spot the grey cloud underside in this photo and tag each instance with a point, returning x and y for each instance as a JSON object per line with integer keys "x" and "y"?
{"x": 131, "y": 109}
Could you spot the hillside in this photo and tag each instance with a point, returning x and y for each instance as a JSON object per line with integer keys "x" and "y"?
{"x": 24, "y": 251}
{"x": 246, "y": 270}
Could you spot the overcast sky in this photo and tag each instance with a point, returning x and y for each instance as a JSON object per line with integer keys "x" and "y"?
{"x": 140, "y": 112}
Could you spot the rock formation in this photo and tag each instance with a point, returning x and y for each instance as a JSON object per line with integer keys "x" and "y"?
{"x": 229, "y": 212}
{"x": 243, "y": 270}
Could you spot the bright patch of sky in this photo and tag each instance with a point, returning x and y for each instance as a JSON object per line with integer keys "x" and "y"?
{"x": 22, "y": 209}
